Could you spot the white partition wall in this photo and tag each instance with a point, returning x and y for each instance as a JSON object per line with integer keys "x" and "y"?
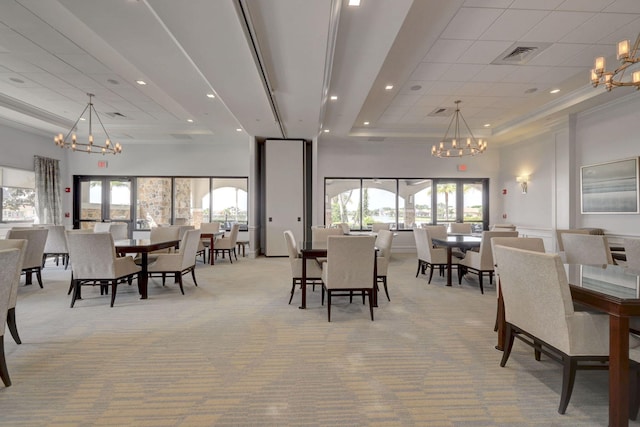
{"x": 284, "y": 193}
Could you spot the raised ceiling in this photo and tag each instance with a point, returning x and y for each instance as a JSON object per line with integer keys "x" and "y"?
{"x": 273, "y": 65}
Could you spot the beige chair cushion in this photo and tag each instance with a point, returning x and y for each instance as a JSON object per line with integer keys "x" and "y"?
{"x": 586, "y": 249}
{"x": 37, "y": 238}
{"x": 21, "y": 245}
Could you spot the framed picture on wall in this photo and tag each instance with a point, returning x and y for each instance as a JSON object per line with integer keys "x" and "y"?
{"x": 610, "y": 187}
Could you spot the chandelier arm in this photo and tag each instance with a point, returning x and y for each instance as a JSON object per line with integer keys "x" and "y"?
{"x": 473, "y": 138}
{"x": 100, "y": 121}
{"x": 75, "y": 124}
{"x": 449, "y": 127}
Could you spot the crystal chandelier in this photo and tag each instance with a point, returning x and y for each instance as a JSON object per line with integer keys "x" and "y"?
{"x": 89, "y": 146}
{"x": 457, "y": 146}
{"x": 627, "y": 57}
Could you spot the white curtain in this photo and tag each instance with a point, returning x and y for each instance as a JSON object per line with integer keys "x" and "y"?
{"x": 48, "y": 205}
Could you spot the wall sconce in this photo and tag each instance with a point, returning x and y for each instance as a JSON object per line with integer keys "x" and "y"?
{"x": 523, "y": 180}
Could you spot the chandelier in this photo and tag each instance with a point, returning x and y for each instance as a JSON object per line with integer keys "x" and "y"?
{"x": 89, "y": 146}
{"x": 456, "y": 146}
{"x": 627, "y": 57}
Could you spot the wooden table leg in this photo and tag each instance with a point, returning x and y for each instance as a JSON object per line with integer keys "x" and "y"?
{"x": 303, "y": 291}
{"x": 143, "y": 277}
{"x": 449, "y": 265}
{"x": 211, "y": 243}
{"x": 618, "y": 371}
{"x": 500, "y": 319}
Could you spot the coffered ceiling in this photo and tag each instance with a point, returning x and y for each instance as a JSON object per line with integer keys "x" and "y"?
{"x": 273, "y": 65}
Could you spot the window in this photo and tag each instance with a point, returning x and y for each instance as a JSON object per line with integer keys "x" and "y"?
{"x": 153, "y": 205}
{"x": 17, "y": 195}
{"x": 406, "y": 203}
{"x": 229, "y": 201}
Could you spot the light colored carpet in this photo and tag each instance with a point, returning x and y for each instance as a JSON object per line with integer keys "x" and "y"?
{"x": 231, "y": 352}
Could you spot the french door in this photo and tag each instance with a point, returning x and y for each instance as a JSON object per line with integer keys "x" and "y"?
{"x": 462, "y": 200}
{"x": 102, "y": 199}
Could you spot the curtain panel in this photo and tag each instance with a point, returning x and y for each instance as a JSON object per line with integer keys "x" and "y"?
{"x": 48, "y": 200}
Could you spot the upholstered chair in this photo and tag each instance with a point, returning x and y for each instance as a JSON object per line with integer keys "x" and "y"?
{"x": 319, "y": 235}
{"x": 560, "y": 232}
{"x": 20, "y": 244}
{"x": 481, "y": 262}
{"x": 119, "y": 230}
{"x": 377, "y": 226}
{"x": 179, "y": 263}
{"x": 460, "y": 228}
{"x": 314, "y": 272}
{"x": 539, "y": 311}
{"x": 163, "y": 234}
{"x": 9, "y": 267}
{"x": 207, "y": 227}
{"x": 228, "y": 244}
{"x": 384, "y": 240}
{"x": 586, "y": 249}
{"x": 346, "y": 229}
{"x": 32, "y": 261}
{"x": 436, "y": 231}
{"x": 632, "y": 251}
{"x": 349, "y": 268}
{"x": 102, "y": 227}
{"x": 56, "y": 245}
{"x": 429, "y": 256}
{"x": 94, "y": 262}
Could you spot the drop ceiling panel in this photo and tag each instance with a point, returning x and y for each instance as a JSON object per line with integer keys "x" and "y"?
{"x": 470, "y": 22}
{"x": 557, "y": 25}
{"x": 537, "y": 4}
{"x": 624, "y": 6}
{"x": 585, "y": 5}
{"x": 483, "y": 52}
{"x": 513, "y": 25}
{"x": 447, "y": 50}
{"x": 599, "y": 26}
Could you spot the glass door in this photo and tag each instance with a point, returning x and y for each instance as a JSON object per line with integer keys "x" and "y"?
{"x": 102, "y": 199}
{"x": 446, "y": 202}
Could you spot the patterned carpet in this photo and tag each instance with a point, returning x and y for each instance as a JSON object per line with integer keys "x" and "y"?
{"x": 231, "y": 352}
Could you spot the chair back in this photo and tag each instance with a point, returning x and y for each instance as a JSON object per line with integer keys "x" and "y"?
{"x": 102, "y": 227}
{"x": 9, "y": 267}
{"x": 460, "y": 227}
{"x": 377, "y": 226}
{"x": 292, "y": 248}
{"x": 210, "y": 227}
{"x": 632, "y": 251}
{"x": 189, "y": 248}
{"x": 92, "y": 255}
{"x": 384, "y": 240}
{"x": 346, "y": 229}
{"x": 350, "y": 262}
{"x": 119, "y": 230}
{"x": 436, "y": 231}
{"x": 586, "y": 249}
{"x": 534, "y": 244}
{"x": 56, "y": 242}
{"x": 37, "y": 238}
{"x": 21, "y": 245}
{"x": 422, "y": 243}
{"x": 536, "y": 294}
{"x": 164, "y": 234}
{"x": 181, "y": 221}
{"x": 560, "y": 232}
{"x": 486, "y": 254}
{"x": 233, "y": 235}
{"x": 183, "y": 229}
{"x": 320, "y": 235}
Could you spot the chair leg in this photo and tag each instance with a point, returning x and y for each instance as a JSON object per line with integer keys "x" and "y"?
{"x": 39, "y": 277}
{"x": 179, "y": 277}
{"x": 509, "y": 345}
{"x": 328, "y": 305}
{"x": 114, "y": 288}
{"x": 322, "y": 297}
{"x": 568, "y": 378}
{"x": 293, "y": 288}
{"x": 537, "y": 349}
{"x": 193, "y": 275}
{"x": 4, "y": 372}
{"x": 480, "y": 280}
{"x": 460, "y": 274}
{"x": 384, "y": 283}
{"x": 370, "y": 303}
{"x": 230, "y": 260}
{"x": 419, "y": 265}
{"x": 76, "y": 291}
{"x": 11, "y": 323}
{"x": 430, "y": 273}
{"x": 235, "y": 254}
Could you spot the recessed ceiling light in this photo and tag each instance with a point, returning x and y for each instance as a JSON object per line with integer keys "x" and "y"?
{"x": 141, "y": 82}
{"x": 82, "y": 119}
{"x": 190, "y": 120}
{"x": 554, "y": 91}
{"x": 334, "y": 97}
{"x": 354, "y": 2}
{"x": 388, "y": 87}
{"x": 326, "y": 131}
{"x": 366, "y": 123}
{"x": 238, "y": 130}
{"x": 487, "y": 125}
{"x": 210, "y": 95}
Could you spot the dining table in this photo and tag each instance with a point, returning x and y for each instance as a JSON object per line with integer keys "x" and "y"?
{"x": 143, "y": 247}
{"x": 613, "y": 290}
{"x": 310, "y": 250}
{"x": 453, "y": 240}
{"x": 212, "y": 240}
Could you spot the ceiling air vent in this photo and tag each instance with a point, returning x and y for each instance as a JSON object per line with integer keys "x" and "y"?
{"x": 442, "y": 112}
{"x": 520, "y": 54}
{"x": 116, "y": 115}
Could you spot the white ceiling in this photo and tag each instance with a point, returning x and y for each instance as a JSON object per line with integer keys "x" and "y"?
{"x": 273, "y": 64}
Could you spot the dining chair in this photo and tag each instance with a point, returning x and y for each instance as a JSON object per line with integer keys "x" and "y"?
{"x": 56, "y": 245}
{"x": 377, "y": 226}
{"x": 314, "y": 272}
{"x": 561, "y": 231}
{"x": 346, "y": 229}
{"x": 228, "y": 244}
{"x": 632, "y": 252}
{"x": 539, "y": 311}
{"x": 429, "y": 256}
{"x": 163, "y": 234}
{"x": 320, "y": 235}
{"x": 102, "y": 227}
{"x": 481, "y": 262}
{"x": 179, "y": 263}
{"x": 436, "y": 231}
{"x": 207, "y": 227}
{"x": 9, "y": 267}
{"x": 384, "y": 240}
{"x": 119, "y": 230}
{"x": 94, "y": 262}
{"x": 349, "y": 268}
{"x": 32, "y": 261}
{"x": 586, "y": 249}
{"x": 21, "y": 245}
{"x": 460, "y": 227}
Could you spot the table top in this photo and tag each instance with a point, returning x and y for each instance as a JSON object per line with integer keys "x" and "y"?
{"x": 458, "y": 240}
{"x": 216, "y": 234}
{"x": 142, "y": 245}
